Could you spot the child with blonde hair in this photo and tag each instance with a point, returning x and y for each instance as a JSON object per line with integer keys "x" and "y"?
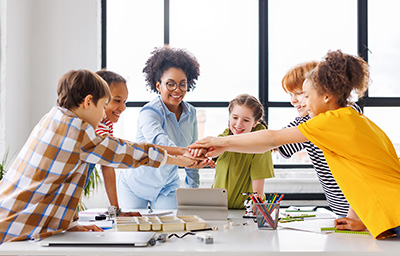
{"x": 361, "y": 157}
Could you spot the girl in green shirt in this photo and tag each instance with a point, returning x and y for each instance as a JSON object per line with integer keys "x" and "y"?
{"x": 241, "y": 172}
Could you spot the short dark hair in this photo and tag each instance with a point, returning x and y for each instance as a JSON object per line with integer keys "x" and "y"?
{"x": 75, "y": 85}
{"x": 164, "y": 58}
{"x": 110, "y": 77}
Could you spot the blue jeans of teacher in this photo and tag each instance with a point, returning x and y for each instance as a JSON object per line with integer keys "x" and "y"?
{"x": 127, "y": 199}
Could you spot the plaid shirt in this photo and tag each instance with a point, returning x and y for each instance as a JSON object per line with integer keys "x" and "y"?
{"x": 40, "y": 193}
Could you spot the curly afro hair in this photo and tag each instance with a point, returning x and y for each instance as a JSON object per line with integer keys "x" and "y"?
{"x": 339, "y": 74}
{"x": 164, "y": 58}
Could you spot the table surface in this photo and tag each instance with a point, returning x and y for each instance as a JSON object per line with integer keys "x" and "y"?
{"x": 243, "y": 237}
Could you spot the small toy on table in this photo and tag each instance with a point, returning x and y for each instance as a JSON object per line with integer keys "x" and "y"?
{"x": 248, "y": 204}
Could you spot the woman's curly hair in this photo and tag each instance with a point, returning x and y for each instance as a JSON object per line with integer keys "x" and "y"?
{"x": 164, "y": 58}
{"x": 339, "y": 74}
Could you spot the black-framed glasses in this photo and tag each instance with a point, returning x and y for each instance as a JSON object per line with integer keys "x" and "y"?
{"x": 172, "y": 85}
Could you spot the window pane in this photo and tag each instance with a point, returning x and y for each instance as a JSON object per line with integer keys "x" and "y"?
{"x": 134, "y": 28}
{"x": 126, "y": 127}
{"x": 212, "y": 121}
{"x": 383, "y": 42}
{"x": 301, "y": 31}
{"x": 223, "y": 35}
{"x": 279, "y": 118}
{"x": 383, "y": 117}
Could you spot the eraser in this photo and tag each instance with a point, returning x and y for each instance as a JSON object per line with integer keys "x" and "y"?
{"x": 205, "y": 238}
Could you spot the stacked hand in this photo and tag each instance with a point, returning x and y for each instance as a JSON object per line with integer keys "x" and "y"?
{"x": 208, "y": 146}
{"x": 199, "y": 159}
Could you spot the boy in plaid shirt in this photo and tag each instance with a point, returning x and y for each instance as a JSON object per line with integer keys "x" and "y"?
{"x": 40, "y": 193}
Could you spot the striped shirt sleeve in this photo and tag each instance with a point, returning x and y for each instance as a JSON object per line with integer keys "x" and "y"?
{"x": 288, "y": 150}
{"x": 105, "y": 127}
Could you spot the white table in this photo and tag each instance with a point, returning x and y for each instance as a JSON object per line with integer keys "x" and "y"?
{"x": 237, "y": 240}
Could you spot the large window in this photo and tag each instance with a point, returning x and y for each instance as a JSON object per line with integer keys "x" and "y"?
{"x": 247, "y": 46}
{"x": 383, "y": 101}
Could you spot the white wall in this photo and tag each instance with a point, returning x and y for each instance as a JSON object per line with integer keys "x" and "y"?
{"x": 40, "y": 41}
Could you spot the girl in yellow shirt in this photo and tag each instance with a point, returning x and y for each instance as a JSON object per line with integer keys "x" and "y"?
{"x": 360, "y": 155}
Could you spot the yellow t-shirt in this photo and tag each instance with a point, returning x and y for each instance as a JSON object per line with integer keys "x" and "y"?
{"x": 364, "y": 163}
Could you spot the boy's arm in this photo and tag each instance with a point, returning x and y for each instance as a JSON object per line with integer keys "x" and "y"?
{"x": 180, "y": 151}
{"x": 119, "y": 153}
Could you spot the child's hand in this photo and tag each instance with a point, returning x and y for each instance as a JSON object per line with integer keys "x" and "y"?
{"x": 215, "y": 146}
{"x": 350, "y": 224}
{"x": 87, "y": 228}
{"x": 195, "y": 156}
{"x": 198, "y": 152}
{"x": 204, "y": 163}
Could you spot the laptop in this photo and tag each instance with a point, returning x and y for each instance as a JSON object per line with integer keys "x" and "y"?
{"x": 207, "y": 203}
{"x": 99, "y": 239}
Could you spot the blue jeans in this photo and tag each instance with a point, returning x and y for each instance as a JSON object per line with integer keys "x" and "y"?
{"x": 397, "y": 231}
{"x": 127, "y": 199}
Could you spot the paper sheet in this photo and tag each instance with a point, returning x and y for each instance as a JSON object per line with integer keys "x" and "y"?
{"x": 314, "y": 225}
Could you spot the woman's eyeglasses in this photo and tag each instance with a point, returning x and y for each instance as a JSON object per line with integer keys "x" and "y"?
{"x": 172, "y": 85}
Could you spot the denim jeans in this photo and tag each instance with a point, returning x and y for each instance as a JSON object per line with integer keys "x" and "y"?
{"x": 129, "y": 200}
{"x": 397, "y": 231}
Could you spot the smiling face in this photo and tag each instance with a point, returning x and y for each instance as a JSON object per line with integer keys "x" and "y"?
{"x": 296, "y": 99}
{"x": 119, "y": 93}
{"x": 174, "y": 98}
{"x": 314, "y": 102}
{"x": 241, "y": 120}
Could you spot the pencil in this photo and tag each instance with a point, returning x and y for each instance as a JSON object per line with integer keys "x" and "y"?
{"x": 264, "y": 214}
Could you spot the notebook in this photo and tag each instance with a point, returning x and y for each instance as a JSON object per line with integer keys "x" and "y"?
{"x": 207, "y": 203}
{"x": 98, "y": 239}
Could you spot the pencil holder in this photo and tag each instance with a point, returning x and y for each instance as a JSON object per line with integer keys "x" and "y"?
{"x": 267, "y": 215}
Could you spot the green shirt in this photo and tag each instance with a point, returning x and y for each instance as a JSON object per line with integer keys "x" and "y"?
{"x": 235, "y": 171}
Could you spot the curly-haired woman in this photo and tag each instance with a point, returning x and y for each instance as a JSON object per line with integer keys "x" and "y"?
{"x": 169, "y": 121}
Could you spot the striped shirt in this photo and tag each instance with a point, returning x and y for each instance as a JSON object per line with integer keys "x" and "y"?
{"x": 40, "y": 192}
{"x": 105, "y": 127}
{"x": 334, "y": 195}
